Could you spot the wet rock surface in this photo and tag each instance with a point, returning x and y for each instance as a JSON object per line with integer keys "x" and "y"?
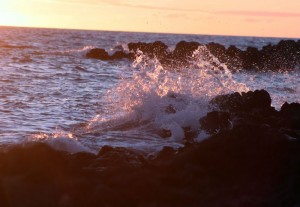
{"x": 252, "y": 158}
{"x": 283, "y": 56}
{"x": 251, "y": 108}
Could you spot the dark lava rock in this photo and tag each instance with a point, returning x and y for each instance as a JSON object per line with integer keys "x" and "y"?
{"x": 184, "y": 50}
{"x": 256, "y": 99}
{"x": 215, "y": 121}
{"x": 292, "y": 109}
{"x": 249, "y": 165}
{"x": 259, "y": 99}
{"x": 189, "y": 134}
{"x": 291, "y": 115}
{"x": 158, "y": 48}
{"x": 232, "y": 51}
{"x": 254, "y": 163}
{"x": 98, "y": 53}
{"x": 118, "y": 55}
{"x": 82, "y": 159}
{"x": 227, "y": 102}
{"x": 118, "y": 156}
{"x": 165, "y": 153}
{"x": 245, "y": 166}
{"x": 217, "y": 50}
{"x": 31, "y": 157}
{"x": 251, "y": 108}
{"x": 251, "y": 58}
{"x": 283, "y": 56}
{"x": 234, "y": 60}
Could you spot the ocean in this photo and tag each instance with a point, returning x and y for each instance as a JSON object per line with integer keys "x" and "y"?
{"x": 51, "y": 92}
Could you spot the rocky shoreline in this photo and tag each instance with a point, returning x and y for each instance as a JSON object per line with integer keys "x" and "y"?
{"x": 283, "y": 56}
{"x": 252, "y": 158}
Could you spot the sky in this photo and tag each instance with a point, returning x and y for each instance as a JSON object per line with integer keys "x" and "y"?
{"x": 270, "y": 18}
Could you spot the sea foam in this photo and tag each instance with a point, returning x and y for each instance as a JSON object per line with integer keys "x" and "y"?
{"x": 144, "y": 100}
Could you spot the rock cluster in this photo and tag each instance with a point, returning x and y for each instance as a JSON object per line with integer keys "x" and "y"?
{"x": 283, "y": 56}
{"x": 252, "y": 108}
{"x": 251, "y": 159}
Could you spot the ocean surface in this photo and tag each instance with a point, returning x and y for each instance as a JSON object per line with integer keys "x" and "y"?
{"x": 50, "y": 92}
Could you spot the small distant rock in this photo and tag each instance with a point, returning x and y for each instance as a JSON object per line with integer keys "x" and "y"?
{"x": 98, "y": 53}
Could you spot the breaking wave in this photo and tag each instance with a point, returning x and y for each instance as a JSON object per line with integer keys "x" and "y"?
{"x": 152, "y": 98}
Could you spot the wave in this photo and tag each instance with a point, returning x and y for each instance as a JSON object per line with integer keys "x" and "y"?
{"x": 161, "y": 101}
{"x": 8, "y": 46}
{"x": 81, "y": 52}
{"x": 59, "y": 140}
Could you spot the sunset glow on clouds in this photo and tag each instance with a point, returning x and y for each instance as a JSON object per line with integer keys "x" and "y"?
{"x": 225, "y": 17}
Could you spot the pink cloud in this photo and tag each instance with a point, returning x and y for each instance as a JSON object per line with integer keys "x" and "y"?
{"x": 256, "y": 20}
{"x": 133, "y": 4}
{"x": 260, "y": 13}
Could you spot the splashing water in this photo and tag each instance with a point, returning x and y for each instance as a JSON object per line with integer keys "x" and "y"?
{"x": 144, "y": 100}
{"x": 60, "y": 140}
{"x": 205, "y": 78}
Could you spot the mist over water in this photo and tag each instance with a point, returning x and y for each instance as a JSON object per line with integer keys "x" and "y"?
{"x": 49, "y": 91}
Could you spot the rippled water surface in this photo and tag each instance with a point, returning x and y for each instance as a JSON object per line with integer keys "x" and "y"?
{"x": 50, "y": 91}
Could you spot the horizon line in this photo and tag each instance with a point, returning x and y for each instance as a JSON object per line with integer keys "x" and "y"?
{"x": 174, "y": 33}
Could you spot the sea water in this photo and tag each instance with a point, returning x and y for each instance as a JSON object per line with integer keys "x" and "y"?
{"x": 50, "y": 92}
